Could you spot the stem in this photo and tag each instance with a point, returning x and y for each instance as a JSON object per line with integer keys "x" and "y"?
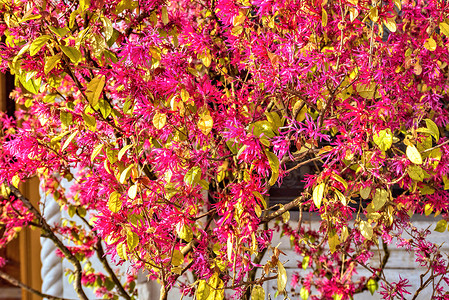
{"x": 105, "y": 263}
{"x": 48, "y": 233}
{"x": 22, "y": 285}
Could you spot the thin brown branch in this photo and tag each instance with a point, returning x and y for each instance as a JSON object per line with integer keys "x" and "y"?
{"x": 22, "y": 285}
{"x": 48, "y": 233}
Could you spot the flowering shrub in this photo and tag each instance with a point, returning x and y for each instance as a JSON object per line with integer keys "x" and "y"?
{"x": 172, "y": 120}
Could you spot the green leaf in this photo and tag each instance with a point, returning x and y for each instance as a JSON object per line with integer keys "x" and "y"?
{"x": 383, "y": 139}
{"x": 51, "y": 62}
{"x": 372, "y": 286}
{"x": 96, "y": 151}
{"x": 282, "y": 277}
{"x": 380, "y": 198}
{"x": 115, "y": 202}
{"x": 90, "y": 122}
{"x": 109, "y": 284}
{"x": 258, "y": 293}
{"x": 38, "y": 43}
{"x": 94, "y": 89}
{"x": 193, "y": 176}
{"x": 413, "y": 155}
{"x": 415, "y": 172}
{"x": 69, "y": 140}
{"x": 177, "y": 258}
{"x": 318, "y": 194}
{"x": 433, "y": 128}
{"x": 441, "y": 226}
{"x": 132, "y": 240}
{"x": 366, "y": 230}
{"x": 72, "y": 53}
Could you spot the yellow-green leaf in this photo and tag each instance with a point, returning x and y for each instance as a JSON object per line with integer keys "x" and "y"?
{"x": 61, "y": 32}
{"x": 51, "y": 62}
{"x": 132, "y": 191}
{"x": 441, "y": 226}
{"x": 413, "y": 155}
{"x": 159, "y": 120}
{"x": 15, "y": 180}
{"x": 430, "y": 44}
{"x": 69, "y": 140}
{"x": 367, "y": 91}
{"x": 94, "y": 89}
{"x": 66, "y": 118}
{"x": 274, "y": 165}
{"x": 132, "y": 239}
{"x": 115, "y": 202}
{"x": 96, "y": 151}
{"x": 185, "y": 232}
{"x": 72, "y": 53}
{"x": 203, "y": 290}
{"x": 164, "y": 15}
{"x": 90, "y": 122}
{"x": 193, "y": 175}
{"x": 366, "y": 230}
{"x": 333, "y": 241}
{"x": 383, "y": 139}
{"x": 38, "y": 43}
{"x": 123, "y": 151}
{"x": 282, "y": 277}
{"x": 372, "y": 286}
{"x": 318, "y": 194}
{"x": 365, "y": 192}
{"x": 205, "y": 124}
{"x": 374, "y": 14}
{"x": 444, "y": 27}
{"x": 258, "y": 293}
{"x": 433, "y": 128}
{"x": 390, "y": 23}
{"x": 323, "y": 17}
{"x": 125, "y": 174}
{"x": 415, "y": 172}
{"x": 304, "y": 293}
{"x": 121, "y": 251}
{"x": 177, "y": 258}
{"x": 380, "y": 198}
